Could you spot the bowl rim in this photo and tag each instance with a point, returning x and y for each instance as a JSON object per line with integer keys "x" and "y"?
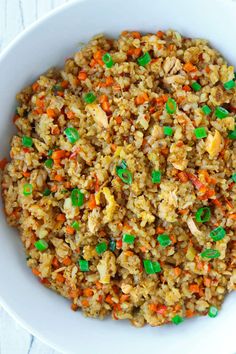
{"x": 10, "y": 311}
{"x": 7, "y": 49}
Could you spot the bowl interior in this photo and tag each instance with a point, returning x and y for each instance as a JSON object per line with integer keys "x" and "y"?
{"x": 44, "y": 45}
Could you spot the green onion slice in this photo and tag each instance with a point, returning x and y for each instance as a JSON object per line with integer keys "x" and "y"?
{"x": 218, "y": 233}
{"x": 203, "y": 214}
{"x": 77, "y": 197}
{"x": 210, "y": 253}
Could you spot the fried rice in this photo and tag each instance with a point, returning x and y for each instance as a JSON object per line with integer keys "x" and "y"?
{"x": 122, "y": 178}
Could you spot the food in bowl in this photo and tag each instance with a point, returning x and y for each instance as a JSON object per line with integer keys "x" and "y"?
{"x": 122, "y": 178}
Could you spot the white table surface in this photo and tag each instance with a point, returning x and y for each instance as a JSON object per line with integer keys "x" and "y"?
{"x": 15, "y": 16}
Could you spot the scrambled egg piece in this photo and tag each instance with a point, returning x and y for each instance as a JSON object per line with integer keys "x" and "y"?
{"x": 214, "y": 144}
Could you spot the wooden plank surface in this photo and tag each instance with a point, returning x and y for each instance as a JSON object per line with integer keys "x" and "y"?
{"x": 15, "y": 16}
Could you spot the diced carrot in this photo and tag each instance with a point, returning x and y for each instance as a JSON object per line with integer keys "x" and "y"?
{"x": 160, "y": 101}
{"x": 120, "y": 226}
{"x": 26, "y": 150}
{"x": 136, "y": 35}
{"x": 109, "y": 299}
{"x": 98, "y": 55}
{"x": 96, "y": 184}
{"x": 171, "y": 47}
{"x": 180, "y": 99}
{"x": 92, "y": 202}
{"x": 119, "y": 243}
{"x": 93, "y": 62}
{"x": 60, "y": 93}
{"x": 124, "y": 297}
{"x": 64, "y": 84}
{"x": 173, "y": 238}
{"x": 194, "y": 288}
{"x": 217, "y": 203}
{"x": 210, "y": 192}
{"x": 26, "y": 174}
{"x": 54, "y": 188}
{"x": 102, "y": 233}
{"x": 189, "y": 313}
{"x": 36, "y": 272}
{"x": 183, "y": 177}
{"x": 37, "y": 111}
{"x": 45, "y": 281}
{"x": 70, "y": 230}
{"x": 113, "y": 147}
{"x": 55, "y": 130}
{"x": 118, "y": 119}
{"x": 135, "y": 52}
{"x": 40, "y": 103}
{"x": 200, "y": 265}
{"x": 152, "y": 109}
{"x": 106, "y": 106}
{"x": 55, "y": 262}
{"x": 85, "y": 303}
{"x": 116, "y": 87}
{"x": 3, "y": 163}
{"x": 161, "y": 309}
{"x": 70, "y": 115}
{"x": 61, "y": 217}
{"x": 232, "y": 216}
{"x": 177, "y": 307}
{"x": 207, "y": 282}
{"x": 141, "y": 99}
{"x": 204, "y": 174}
{"x": 109, "y": 81}
{"x": 51, "y": 112}
{"x": 74, "y": 307}
{"x": 103, "y": 98}
{"x": 58, "y": 178}
{"x": 129, "y": 253}
{"x": 160, "y": 230}
{"x": 82, "y": 75}
{"x": 164, "y": 151}
{"x": 67, "y": 185}
{"x": 207, "y": 69}
{"x": 98, "y": 285}
{"x": 189, "y": 67}
{"x": 58, "y": 154}
{"x": 183, "y": 211}
{"x": 60, "y": 278}
{"x": 35, "y": 86}
{"x": 88, "y": 292}
{"x": 100, "y": 299}
{"x": 127, "y": 226}
{"x": 152, "y": 307}
{"x": 186, "y": 88}
{"x": 143, "y": 249}
{"x": 15, "y": 118}
{"x": 160, "y": 34}
{"x": 177, "y": 271}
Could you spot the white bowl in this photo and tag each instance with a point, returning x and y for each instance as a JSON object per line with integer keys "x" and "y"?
{"x": 46, "y": 44}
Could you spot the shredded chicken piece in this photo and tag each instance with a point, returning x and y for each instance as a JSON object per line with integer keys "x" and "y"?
{"x": 193, "y": 228}
{"x": 178, "y": 156}
{"x": 98, "y": 114}
{"x": 107, "y": 267}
